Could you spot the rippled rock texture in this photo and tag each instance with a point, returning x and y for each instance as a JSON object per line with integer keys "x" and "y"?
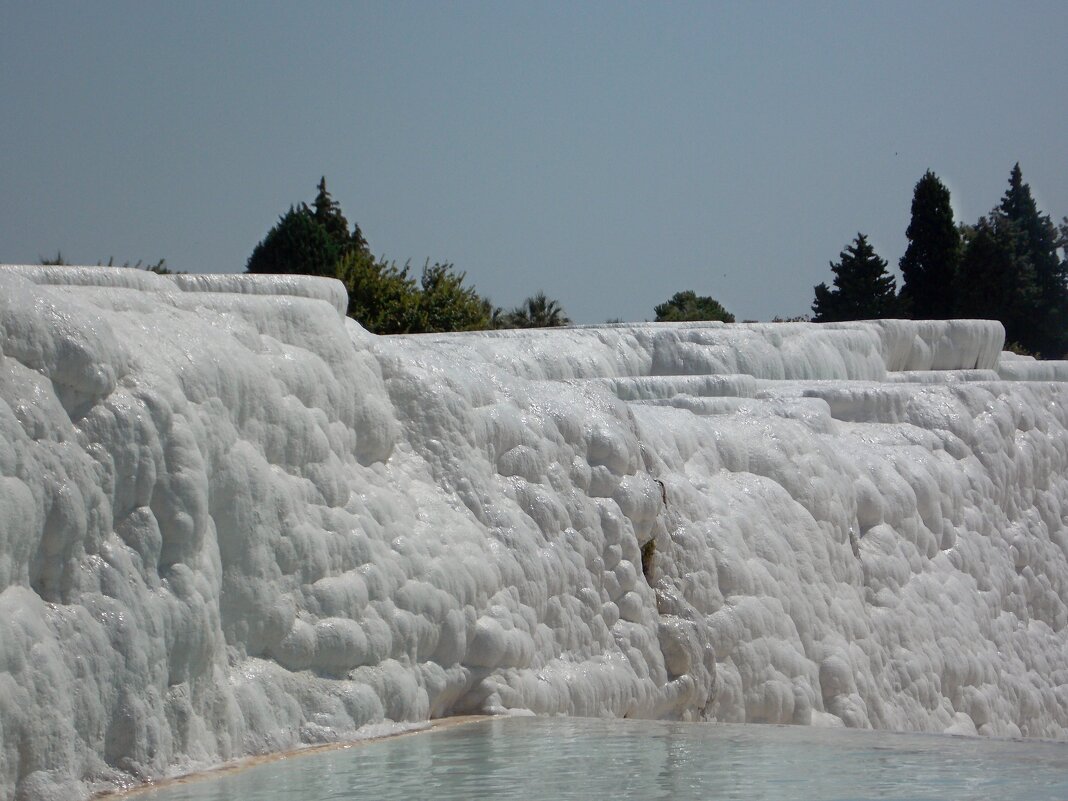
{"x": 232, "y": 522}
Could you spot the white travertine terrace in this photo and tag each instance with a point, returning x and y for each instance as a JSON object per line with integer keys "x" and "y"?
{"x": 232, "y": 522}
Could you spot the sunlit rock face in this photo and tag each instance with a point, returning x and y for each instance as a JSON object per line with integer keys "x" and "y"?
{"x": 232, "y": 522}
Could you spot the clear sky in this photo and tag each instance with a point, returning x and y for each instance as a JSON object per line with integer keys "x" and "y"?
{"x": 609, "y": 154}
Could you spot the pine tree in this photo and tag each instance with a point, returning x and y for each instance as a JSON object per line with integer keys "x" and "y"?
{"x": 309, "y": 241}
{"x": 315, "y": 240}
{"x": 929, "y": 265}
{"x": 1038, "y": 245}
{"x": 1062, "y": 243}
{"x": 327, "y": 212}
{"x": 298, "y": 243}
{"x": 996, "y": 280}
{"x": 863, "y": 290}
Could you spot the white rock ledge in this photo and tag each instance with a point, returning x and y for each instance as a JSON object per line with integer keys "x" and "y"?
{"x": 232, "y": 522}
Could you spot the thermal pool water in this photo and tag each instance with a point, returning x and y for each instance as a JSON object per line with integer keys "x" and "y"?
{"x": 233, "y": 522}
{"x": 581, "y": 759}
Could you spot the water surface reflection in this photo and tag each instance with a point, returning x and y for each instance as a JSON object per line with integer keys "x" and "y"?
{"x": 575, "y": 759}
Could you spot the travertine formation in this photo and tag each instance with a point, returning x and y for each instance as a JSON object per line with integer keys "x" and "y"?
{"x": 232, "y": 521}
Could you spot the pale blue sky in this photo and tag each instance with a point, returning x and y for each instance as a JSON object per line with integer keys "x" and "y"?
{"x": 609, "y": 154}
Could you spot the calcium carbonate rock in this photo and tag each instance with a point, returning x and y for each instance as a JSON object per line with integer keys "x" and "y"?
{"x": 234, "y": 522}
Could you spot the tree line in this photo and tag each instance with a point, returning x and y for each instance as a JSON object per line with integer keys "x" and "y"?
{"x": 1011, "y": 266}
{"x": 386, "y": 298}
{"x": 383, "y": 297}
{"x": 158, "y": 267}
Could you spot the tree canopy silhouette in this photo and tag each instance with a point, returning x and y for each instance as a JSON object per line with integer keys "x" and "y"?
{"x": 537, "y": 311}
{"x": 863, "y": 289}
{"x": 929, "y": 266}
{"x": 308, "y": 240}
{"x": 689, "y": 306}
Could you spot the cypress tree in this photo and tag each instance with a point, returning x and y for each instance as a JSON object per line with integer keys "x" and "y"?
{"x": 929, "y": 266}
{"x": 863, "y": 289}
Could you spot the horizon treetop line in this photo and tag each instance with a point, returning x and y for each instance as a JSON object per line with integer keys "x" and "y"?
{"x": 233, "y": 521}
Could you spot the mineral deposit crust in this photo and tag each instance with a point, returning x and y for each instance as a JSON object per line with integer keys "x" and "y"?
{"x": 234, "y": 522}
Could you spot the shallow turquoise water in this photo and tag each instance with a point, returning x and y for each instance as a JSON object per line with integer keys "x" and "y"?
{"x": 574, "y": 758}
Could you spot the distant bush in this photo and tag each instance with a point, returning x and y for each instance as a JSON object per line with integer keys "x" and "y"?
{"x": 688, "y": 306}
{"x": 537, "y": 311}
{"x": 159, "y": 267}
